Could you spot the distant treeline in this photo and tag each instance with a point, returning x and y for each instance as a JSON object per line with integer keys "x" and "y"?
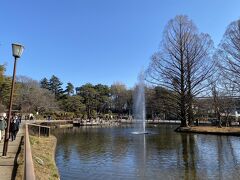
{"x": 48, "y": 97}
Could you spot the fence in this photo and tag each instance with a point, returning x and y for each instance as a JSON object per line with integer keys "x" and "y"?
{"x": 39, "y": 130}
{"x": 32, "y": 129}
{"x": 28, "y": 162}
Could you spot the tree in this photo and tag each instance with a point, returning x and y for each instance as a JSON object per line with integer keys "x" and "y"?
{"x": 216, "y": 103}
{"x": 44, "y": 83}
{"x": 5, "y": 87}
{"x": 182, "y": 65}
{"x": 32, "y": 98}
{"x": 55, "y": 86}
{"x": 2, "y": 70}
{"x": 73, "y": 104}
{"x": 159, "y": 104}
{"x": 229, "y": 53}
{"x": 95, "y": 98}
{"x": 129, "y": 101}
{"x": 69, "y": 89}
{"x": 224, "y": 100}
{"x": 102, "y": 98}
{"x": 228, "y": 63}
{"x": 88, "y": 93}
{"x": 119, "y": 97}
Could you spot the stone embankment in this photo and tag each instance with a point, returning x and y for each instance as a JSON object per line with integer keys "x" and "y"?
{"x": 117, "y": 122}
{"x": 97, "y": 122}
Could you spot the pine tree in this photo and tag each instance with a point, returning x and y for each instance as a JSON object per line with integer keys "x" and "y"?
{"x": 69, "y": 89}
{"x": 44, "y": 83}
{"x": 55, "y": 86}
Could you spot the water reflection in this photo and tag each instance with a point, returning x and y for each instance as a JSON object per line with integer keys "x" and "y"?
{"x": 188, "y": 155}
{"x": 115, "y": 153}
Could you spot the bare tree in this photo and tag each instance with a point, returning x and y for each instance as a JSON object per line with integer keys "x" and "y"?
{"x": 216, "y": 103}
{"x": 183, "y": 64}
{"x": 32, "y": 98}
{"x": 227, "y": 100}
{"x": 229, "y": 53}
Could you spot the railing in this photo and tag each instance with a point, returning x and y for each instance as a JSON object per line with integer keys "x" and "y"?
{"x": 32, "y": 129}
{"x": 39, "y": 130}
{"x": 28, "y": 162}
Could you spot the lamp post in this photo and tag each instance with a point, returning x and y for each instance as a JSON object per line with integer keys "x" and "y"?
{"x": 17, "y": 50}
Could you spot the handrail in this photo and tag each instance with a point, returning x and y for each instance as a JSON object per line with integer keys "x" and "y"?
{"x": 28, "y": 161}
{"x": 41, "y": 130}
{"x": 38, "y": 125}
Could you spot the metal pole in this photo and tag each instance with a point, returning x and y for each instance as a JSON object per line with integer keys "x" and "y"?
{"x": 6, "y": 139}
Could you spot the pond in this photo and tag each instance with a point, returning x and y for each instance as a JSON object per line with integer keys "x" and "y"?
{"x": 115, "y": 153}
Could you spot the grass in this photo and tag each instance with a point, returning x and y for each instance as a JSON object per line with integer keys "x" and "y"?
{"x": 43, "y": 152}
{"x": 212, "y": 130}
{"x": 216, "y": 129}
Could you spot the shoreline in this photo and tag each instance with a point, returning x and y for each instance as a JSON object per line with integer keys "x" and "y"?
{"x": 204, "y": 128}
{"x": 98, "y": 122}
{"x": 54, "y": 155}
{"x": 227, "y": 131}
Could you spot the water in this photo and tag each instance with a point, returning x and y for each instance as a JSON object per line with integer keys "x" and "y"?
{"x": 139, "y": 105}
{"x": 115, "y": 153}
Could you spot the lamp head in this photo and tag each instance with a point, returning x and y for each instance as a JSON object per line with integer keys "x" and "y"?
{"x": 17, "y": 50}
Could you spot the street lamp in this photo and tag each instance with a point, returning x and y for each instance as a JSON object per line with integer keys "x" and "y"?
{"x": 17, "y": 50}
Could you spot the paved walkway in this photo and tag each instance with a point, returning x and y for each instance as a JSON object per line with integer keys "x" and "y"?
{"x": 8, "y": 163}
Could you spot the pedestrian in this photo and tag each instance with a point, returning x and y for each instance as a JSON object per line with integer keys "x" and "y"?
{"x": 14, "y": 127}
{"x": 3, "y": 125}
{"x": 17, "y": 124}
{"x": 20, "y": 119}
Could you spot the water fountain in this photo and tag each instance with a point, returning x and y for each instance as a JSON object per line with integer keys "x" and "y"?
{"x": 139, "y": 106}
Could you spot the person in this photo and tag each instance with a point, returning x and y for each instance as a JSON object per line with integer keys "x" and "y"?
{"x": 14, "y": 127}
{"x": 17, "y": 123}
{"x": 3, "y": 125}
{"x": 20, "y": 119}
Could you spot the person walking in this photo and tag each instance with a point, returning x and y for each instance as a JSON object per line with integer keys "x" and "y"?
{"x": 14, "y": 127}
{"x": 17, "y": 124}
{"x": 20, "y": 119}
{"x": 3, "y": 125}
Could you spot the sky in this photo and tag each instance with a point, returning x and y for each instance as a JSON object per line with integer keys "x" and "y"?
{"x": 98, "y": 41}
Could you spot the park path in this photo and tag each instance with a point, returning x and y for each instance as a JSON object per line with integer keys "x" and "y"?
{"x": 8, "y": 164}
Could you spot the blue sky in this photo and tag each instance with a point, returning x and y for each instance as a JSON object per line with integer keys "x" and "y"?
{"x": 98, "y": 41}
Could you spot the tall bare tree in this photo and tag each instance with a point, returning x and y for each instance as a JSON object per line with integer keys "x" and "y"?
{"x": 229, "y": 53}
{"x": 183, "y": 64}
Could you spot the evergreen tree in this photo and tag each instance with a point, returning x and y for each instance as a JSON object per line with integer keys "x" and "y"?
{"x": 55, "y": 86}
{"x": 73, "y": 104}
{"x": 88, "y": 93}
{"x": 44, "y": 83}
{"x": 102, "y": 98}
{"x": 119, "y": 97}
{"x": 5, "y": 87}
{"x": 69, "y": 89}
